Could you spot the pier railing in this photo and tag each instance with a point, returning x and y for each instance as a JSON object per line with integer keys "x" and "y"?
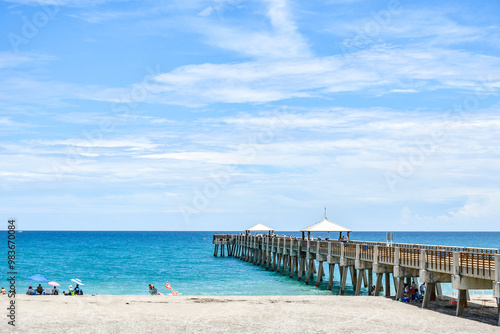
{"x": 409, "y": 257}
{"x": 477, "y": 265}
{"x": 350, "y": 251}
{"x": 473, "y": 262}
{"x": 441, "y": 261}
{"x": 366, "y": 252}
{"x": 385, "y": 255}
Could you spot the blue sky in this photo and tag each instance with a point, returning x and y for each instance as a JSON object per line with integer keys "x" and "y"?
{"x": 215, "y": 115}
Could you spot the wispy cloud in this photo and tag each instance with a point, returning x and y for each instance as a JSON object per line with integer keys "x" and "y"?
{"x": 375, "y": 71}
{"x": 281, "y": 40}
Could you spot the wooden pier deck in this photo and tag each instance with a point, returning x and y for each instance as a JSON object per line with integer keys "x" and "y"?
{"x": 465, "y": 268}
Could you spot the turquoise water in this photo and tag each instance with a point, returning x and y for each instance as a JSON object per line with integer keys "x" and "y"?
{"x": 126, "y": 262}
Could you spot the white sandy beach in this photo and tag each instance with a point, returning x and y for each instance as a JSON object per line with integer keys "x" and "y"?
{"x": 240, "y": 314}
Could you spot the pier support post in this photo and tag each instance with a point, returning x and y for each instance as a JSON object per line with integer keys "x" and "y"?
{"x": 273, "y": 267}
{"x": 285, "y": 264}
{"x": 378, "y": 285}
{"x": 370, "y": 278}
{"x": 365, "y": 279}
{"x": 216, "y": 250}
{"x": 427, "y": 296}
{"x": 387, "y": 284}
{"x": 344, "y": 279}
{"x": 354, "y": 279}
{"x": 331, "y": 269}
{"x": 400, "y": 288}
{"x": 439, "y": 289}
{"x": 360, "y": 278}
{"x": 319, "y": 276}
{"x": 309, "y": 271}
{"x": 462, "y": 302}
{"x": 301, "y": 268}
{"x": 498, "y": 310}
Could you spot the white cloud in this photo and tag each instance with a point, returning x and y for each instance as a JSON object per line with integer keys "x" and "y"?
{"x": 282, "y": 40}
{"x": 380, "y": 70}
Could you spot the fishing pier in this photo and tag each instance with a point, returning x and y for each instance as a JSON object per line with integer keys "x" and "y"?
{"x": 465, "y": 268}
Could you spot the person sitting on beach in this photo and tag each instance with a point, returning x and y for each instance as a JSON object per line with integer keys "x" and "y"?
{"x": 55, "y": 290}
{"x": 70, "y": 292}
{"x": 3, "y": 291}
{"x": 30, "y": 291}
{"x": 412, "y": 292}
{"x": 153, "y": 290}
{"x": 77, "y": 290}
{"x": 414, "y": 288}
{"x": 39, "y": 289}
{"x": 406, "y": 293}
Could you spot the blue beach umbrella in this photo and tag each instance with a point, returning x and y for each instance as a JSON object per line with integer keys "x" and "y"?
{"x": 38, "y": 278}
{"x": 77, "y": 281}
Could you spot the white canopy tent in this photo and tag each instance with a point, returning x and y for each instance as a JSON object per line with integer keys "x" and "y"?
{"x": 259, "y": 227}
{"x": 325, "y": 226}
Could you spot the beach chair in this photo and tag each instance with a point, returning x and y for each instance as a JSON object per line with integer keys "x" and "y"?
{"x": 48, "y": 291}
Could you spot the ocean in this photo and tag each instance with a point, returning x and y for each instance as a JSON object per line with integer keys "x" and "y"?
{"x": 119, "y": 263}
